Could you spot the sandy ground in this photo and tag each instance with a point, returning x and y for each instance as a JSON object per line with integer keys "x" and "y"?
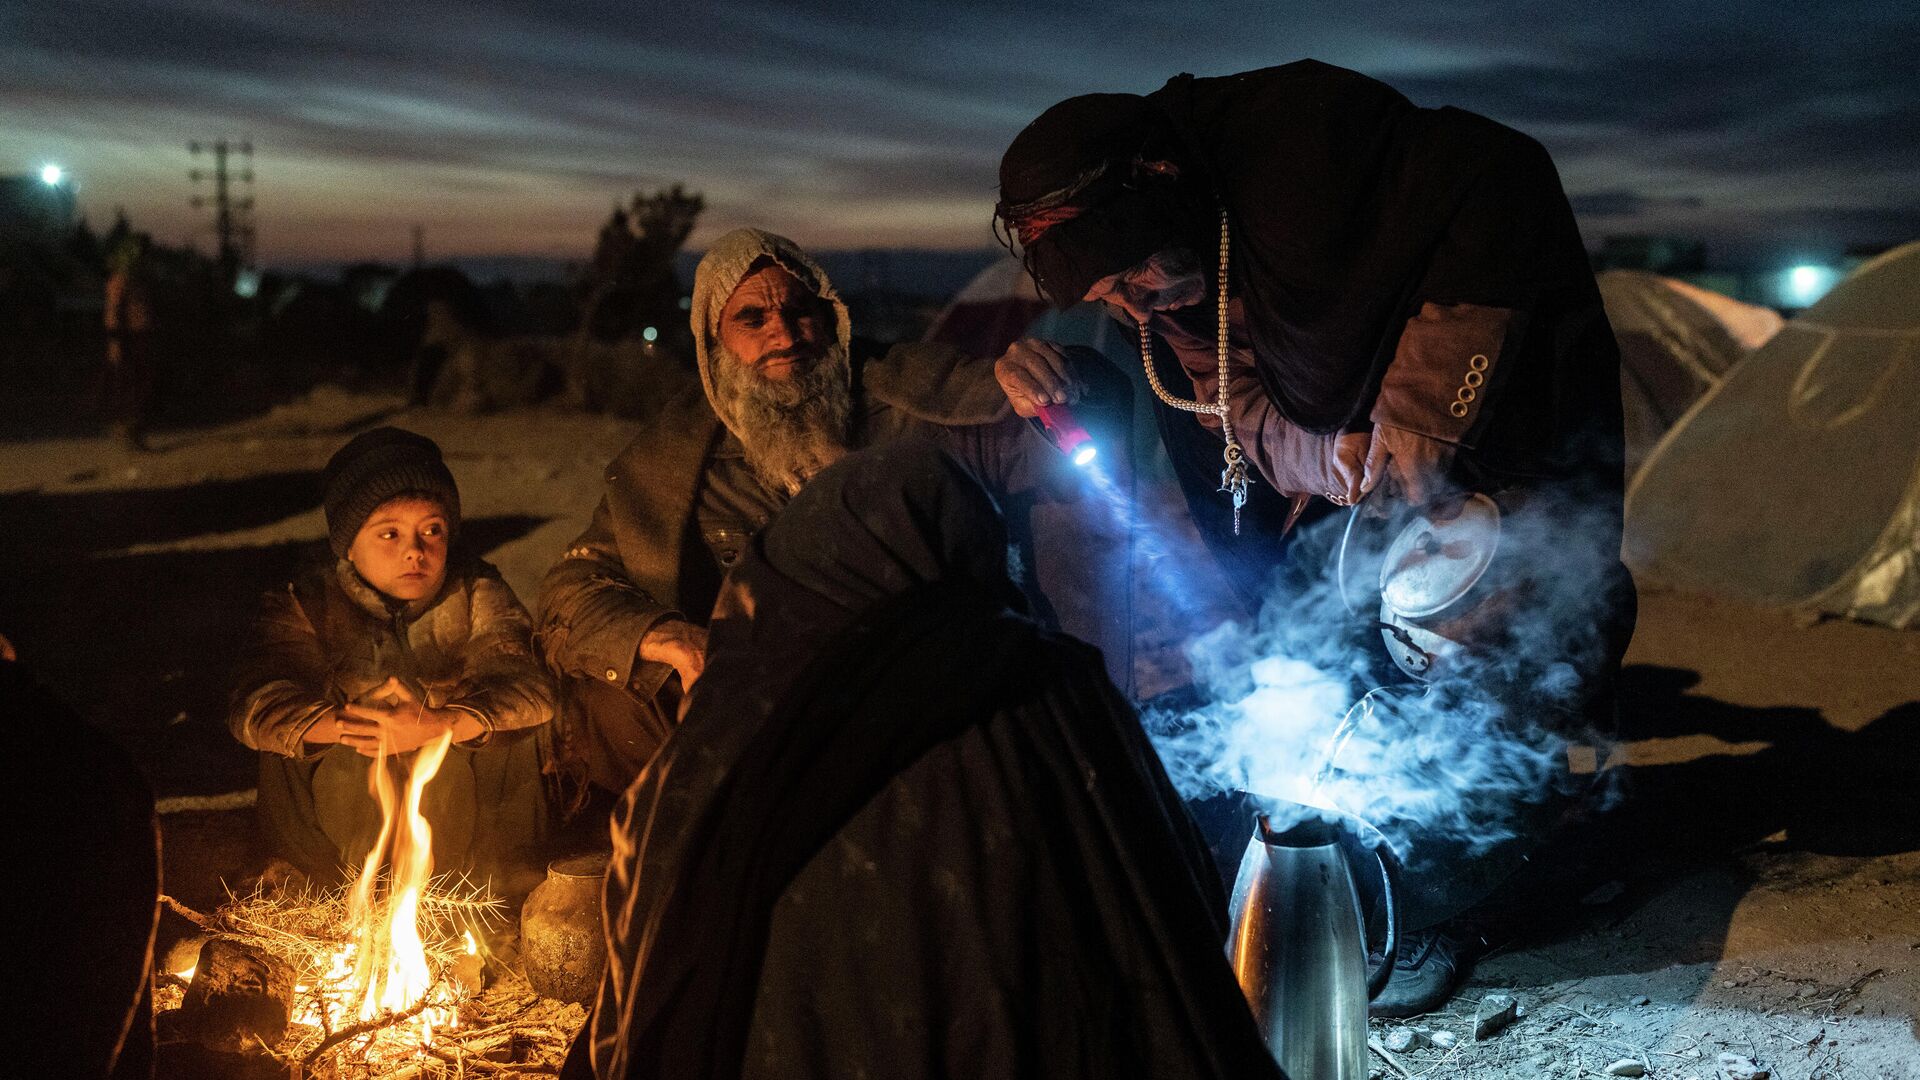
{"x": 1757, "y": 892}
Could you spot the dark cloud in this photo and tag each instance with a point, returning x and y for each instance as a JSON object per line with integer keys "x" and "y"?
{"x": 512, "y": 126}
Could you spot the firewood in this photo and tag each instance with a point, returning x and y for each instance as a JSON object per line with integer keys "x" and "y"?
{"x": 240, "y": 997}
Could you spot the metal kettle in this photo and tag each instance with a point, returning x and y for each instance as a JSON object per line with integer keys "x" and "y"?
{"x": 1298, "y": 941}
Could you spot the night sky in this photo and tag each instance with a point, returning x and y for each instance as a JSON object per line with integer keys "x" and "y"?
{"x": 1771, "y": 125}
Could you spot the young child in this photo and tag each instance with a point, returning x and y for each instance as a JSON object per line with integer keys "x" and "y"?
{"x": 397, "y": 638}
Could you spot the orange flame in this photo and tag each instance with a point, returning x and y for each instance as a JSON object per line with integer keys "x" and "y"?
{"x": 393, "y": 964}
{"x": 384, "y": 970}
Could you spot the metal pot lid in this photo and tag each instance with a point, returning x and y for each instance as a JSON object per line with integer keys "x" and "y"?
{"x": 1432, "y": 564}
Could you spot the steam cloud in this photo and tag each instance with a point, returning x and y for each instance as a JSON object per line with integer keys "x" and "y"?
{"x": 1446, "y": 771}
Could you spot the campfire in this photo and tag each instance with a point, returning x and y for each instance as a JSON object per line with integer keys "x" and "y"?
{"x": 385, "y": 967}
{"x": 386, "y": 978}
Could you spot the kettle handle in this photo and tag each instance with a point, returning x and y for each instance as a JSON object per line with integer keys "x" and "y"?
{"x": 1382, "y": 851}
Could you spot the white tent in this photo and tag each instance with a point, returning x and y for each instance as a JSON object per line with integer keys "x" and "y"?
{"x": 990, "y": 312}
{"x": 1796, "y": 481}
{"x": 1676, "y": 342}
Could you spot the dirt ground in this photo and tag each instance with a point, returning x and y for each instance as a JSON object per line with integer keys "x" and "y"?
{"x": 1757, "y": 891}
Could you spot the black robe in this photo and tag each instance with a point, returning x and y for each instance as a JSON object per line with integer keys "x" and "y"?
{"x": 1352, "y": 210}
{"x": 85, "y": 895}
{"x": 905, "y": 832}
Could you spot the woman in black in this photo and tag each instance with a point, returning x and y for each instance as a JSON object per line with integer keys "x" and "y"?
{"x": 905, "y": 832}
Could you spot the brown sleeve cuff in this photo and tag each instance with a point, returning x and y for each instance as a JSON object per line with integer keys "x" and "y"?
{"x": 486, "y": 724}
{"x": 1438, "y": 383}
{"x": 301, "y": 750}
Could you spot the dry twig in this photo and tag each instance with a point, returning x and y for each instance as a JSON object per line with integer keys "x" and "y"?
{"x": 202, "y": 921}
{"x": 365, "y": 1027}
{"x": 308, "y": 929}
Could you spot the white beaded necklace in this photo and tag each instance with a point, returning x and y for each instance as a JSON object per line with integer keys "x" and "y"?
{"x": 1233, "y": 479}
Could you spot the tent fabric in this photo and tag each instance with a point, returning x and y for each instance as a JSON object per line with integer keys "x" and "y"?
{"x": 1796, "y": 482}
{"x": 1750, "y": 325}
{"x": 990, "y": 312}
{"x": 1676, "y": 342}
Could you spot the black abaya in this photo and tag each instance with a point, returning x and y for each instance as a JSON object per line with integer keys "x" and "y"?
{"x": 905, "y": 832}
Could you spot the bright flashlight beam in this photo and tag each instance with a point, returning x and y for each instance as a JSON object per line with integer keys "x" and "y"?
{"x": 51, "y": 175}
{"x": 1057, "y": 423}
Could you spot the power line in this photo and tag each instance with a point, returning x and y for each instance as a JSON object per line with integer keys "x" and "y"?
{"x": 232, "y": 210}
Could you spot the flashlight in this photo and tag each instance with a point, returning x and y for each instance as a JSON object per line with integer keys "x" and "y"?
{"x": 1056, "y": 422}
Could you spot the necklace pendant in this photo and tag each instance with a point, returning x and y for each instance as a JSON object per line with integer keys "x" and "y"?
{"x": 1234, "y": 481}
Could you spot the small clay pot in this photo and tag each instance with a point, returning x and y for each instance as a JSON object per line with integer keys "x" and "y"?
{"x": 563, "y": 941}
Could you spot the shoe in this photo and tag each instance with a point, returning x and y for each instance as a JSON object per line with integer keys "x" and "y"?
{"x": 1431, "y": 966}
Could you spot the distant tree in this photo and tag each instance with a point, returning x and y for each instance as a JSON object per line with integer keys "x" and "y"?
{"x": 630, "y": 283}
{"x": 662, "y": 222}
{"x": 84, "y": 247}
{"x": 118, "y": 233}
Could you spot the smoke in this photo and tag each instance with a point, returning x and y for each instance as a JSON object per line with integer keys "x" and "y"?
{"x": 1302, "y": 707}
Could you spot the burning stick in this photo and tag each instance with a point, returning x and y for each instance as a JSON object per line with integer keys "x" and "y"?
{"x": 365, "y": 1027}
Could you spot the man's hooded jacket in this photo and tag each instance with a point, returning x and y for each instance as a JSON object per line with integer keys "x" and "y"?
{"x": 681, "y": 501}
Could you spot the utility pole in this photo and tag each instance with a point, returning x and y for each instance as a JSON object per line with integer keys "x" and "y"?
{"x": 419, "y": 246}
{"x": 232, "y": 212}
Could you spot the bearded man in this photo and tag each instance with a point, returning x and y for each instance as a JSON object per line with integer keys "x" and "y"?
{"x": 785, "y": 390}
{"x": 1356, "y": 292}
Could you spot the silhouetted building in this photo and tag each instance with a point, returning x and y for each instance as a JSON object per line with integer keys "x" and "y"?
{"x": 1660, "y": 254}
{"x": 29, "y": 203}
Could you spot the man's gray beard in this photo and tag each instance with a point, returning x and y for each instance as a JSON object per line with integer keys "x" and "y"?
{"x": 790, "y": 428}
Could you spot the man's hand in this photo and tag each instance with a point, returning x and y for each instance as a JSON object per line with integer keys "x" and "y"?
{"x": 395, "y": 716}
{"x": 1417, "y": 464}
{"x": 1035, "y": 373}
{"x": 679, "y": 643}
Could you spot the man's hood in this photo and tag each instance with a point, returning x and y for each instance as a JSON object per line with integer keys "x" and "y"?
{"x": 723, "y": 268}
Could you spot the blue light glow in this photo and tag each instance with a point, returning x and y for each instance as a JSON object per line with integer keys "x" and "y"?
{"x": 1085, "y": 455}
{"x": 650, "y": 335}
{"x": 51, "y": 175}
{"x": 1807, "y": 283}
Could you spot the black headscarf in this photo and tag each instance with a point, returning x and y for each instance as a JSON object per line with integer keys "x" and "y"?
{"x": 869, "y": 625}
{"x": 1110, "y": 169}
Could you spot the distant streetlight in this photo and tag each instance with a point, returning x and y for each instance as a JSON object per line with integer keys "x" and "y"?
{"x": 1807, "y": 283}
{"x": 51, "y": 175}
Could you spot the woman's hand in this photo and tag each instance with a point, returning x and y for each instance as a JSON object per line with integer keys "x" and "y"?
{"x": 1350, "y": 467}
{"x": 1417, "y": 464}
{"x": 1034, "y": 373}
{"x": 395, "y": 720}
